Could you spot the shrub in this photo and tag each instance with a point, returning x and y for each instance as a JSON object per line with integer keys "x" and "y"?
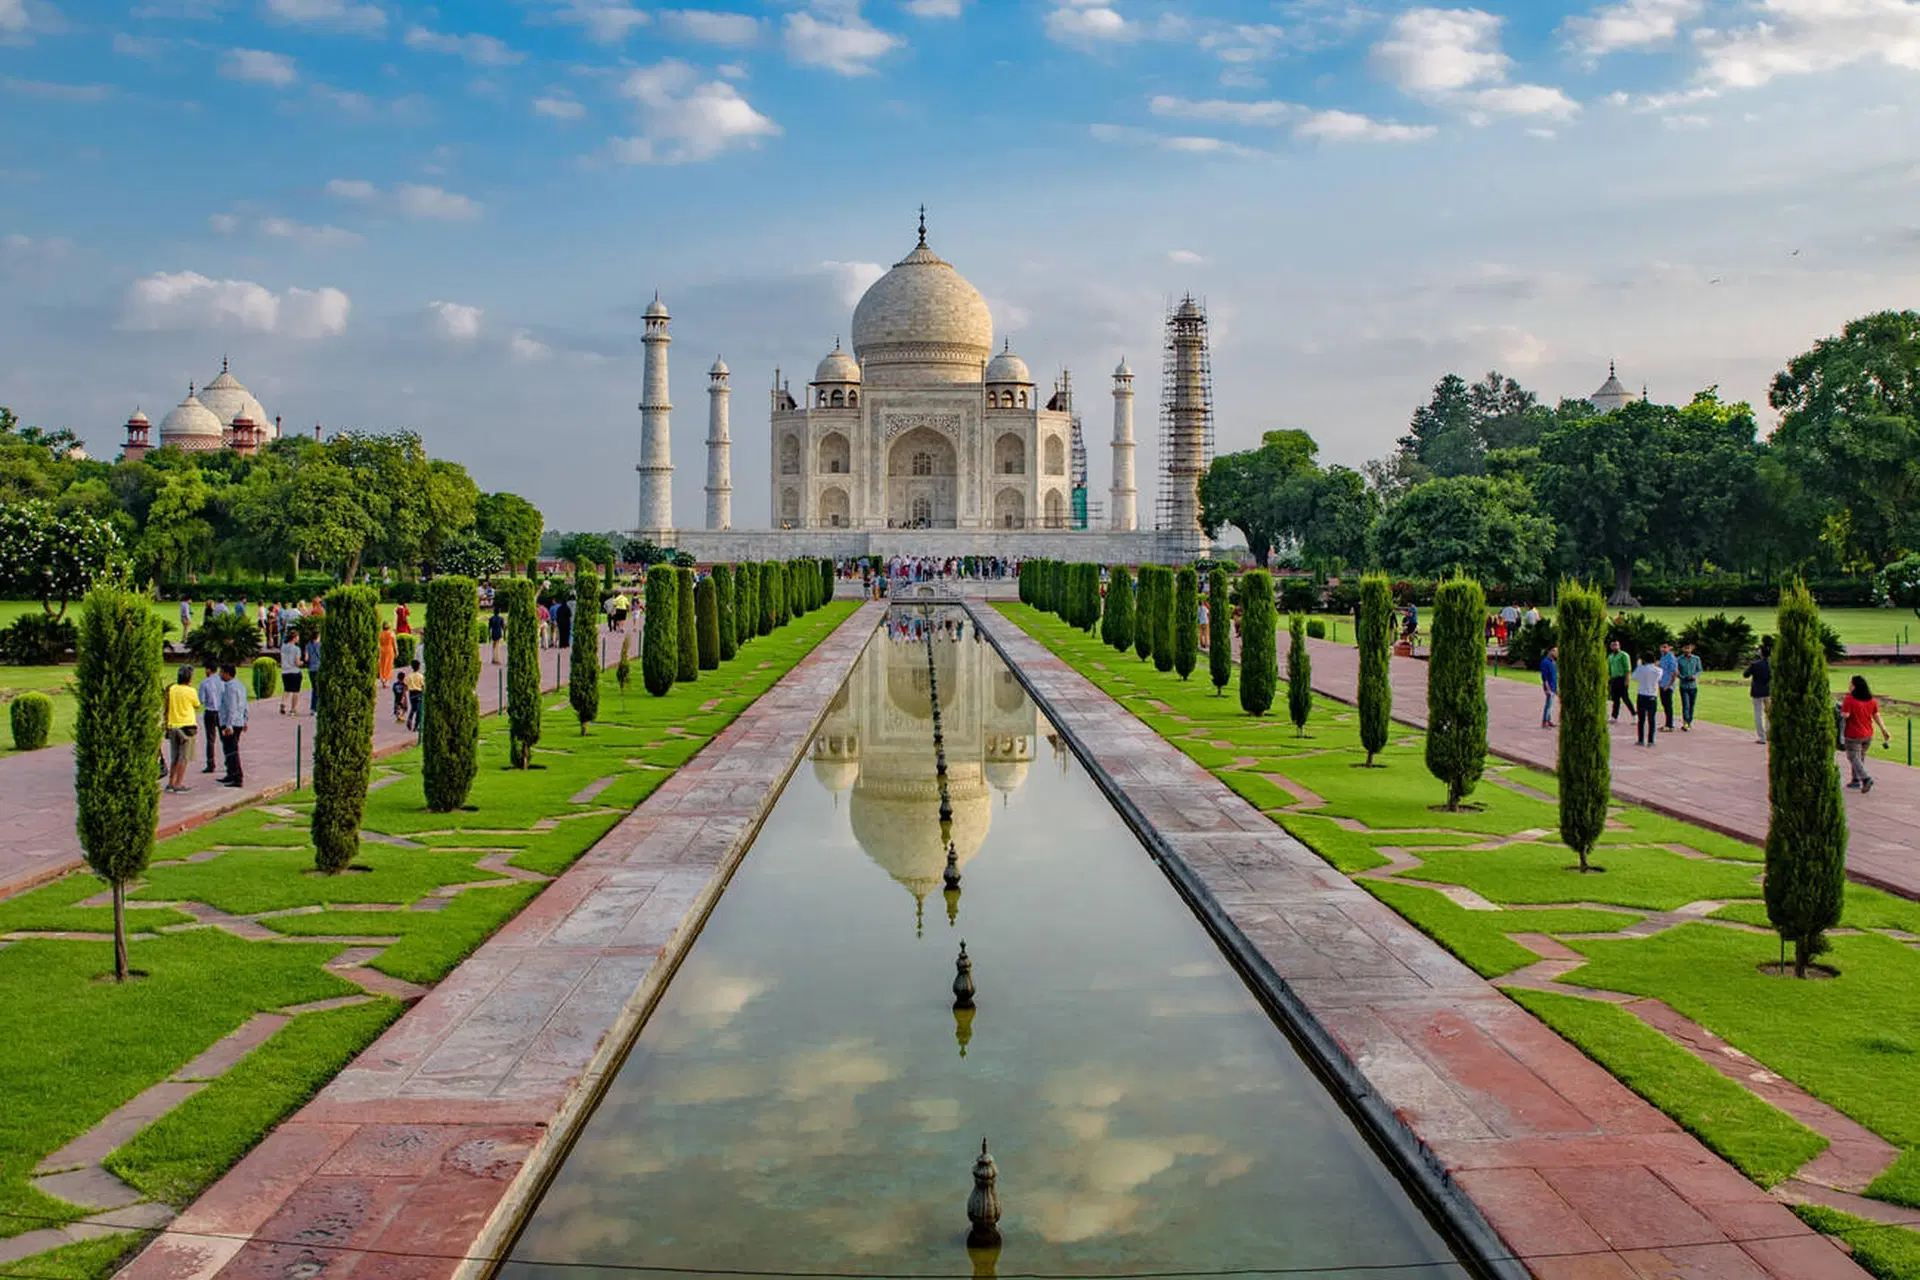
{"x": 37, "y": 640}
{"x": 1376, "y": 653}
{"x": 1220, "y": 629}
{"x": 1831, "y": 646}
{"x": 523, "y": 671}
{"x": 1807, "y": 828}
{"x": 450, "y": 717}
{"x": 229, "y": 640}
{"x": 1456, "y": 689}
{"x": 1585, "y": 766}
{"x": 1299, "y": 674}
{"x": 1316, "y": 629}
{"x": 706, "y": 607}
{"x": 1259, "y": 658}
{"x": 1143, "y": 613}
{"x": 115, "y": 743}
{"x": 1119, "y": 617}
{"x": 404, "y": 647}
{"x": 343, "y": 695}
{"x": 659, "y": 647}
{"x": 623, "y": 669}
{"x": 686, "y": 646}
{"x": 723, "y": 610}
{"x": 31, "y": 717}
{"x": 1186, "y": 621}
{"x": 1637, "y": 634}
{"x": 583, "y": 666}
{"x": 1528, "y": 645}
{"x": 1721, "y": 643}
{"x": 266, "y": 676}
{"x": 1299, "y": 594}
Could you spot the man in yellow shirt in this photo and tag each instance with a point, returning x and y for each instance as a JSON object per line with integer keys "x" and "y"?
{"x": 183, "y": 722}
{"x": 416, "y": 696}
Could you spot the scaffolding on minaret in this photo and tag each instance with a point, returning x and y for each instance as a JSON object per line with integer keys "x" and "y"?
{"x": 1077, "y": 444}
{"x": 1186, "y": 427}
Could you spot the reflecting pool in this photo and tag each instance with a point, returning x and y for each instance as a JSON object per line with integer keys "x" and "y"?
{"x": 806, "y": 1100}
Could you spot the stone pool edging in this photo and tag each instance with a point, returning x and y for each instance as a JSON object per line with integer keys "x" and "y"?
{"x": 1534, "y": 1157}
{"x": 420, "y": 1160}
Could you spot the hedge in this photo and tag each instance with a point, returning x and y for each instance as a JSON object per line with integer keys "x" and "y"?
{"x": 31, "y": 716}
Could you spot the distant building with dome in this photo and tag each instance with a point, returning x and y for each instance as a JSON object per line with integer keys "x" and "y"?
{"x": 223, "y": 414}
{"x": 1613, "y": 393}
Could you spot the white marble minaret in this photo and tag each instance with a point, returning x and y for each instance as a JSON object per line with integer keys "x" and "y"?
{"x": 719, "y": 450}
{"x": 1126, "y": 516}
{"x": 656, "y": 413}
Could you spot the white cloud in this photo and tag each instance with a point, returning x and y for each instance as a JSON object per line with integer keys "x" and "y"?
{"x": 853, "y": 279}
{"x": 524, "y": 346}
{"x": 1519, "y": 100}
{"x": 1243, "y": 113}
{"x": 557, "y": 106}
{"x": 711, "y": 27}
{"x": 933, "y": 8}
{"x": 187, "y": 300}
{"x": 848, "y": 46}
{"x": 128, "y": 46}
{"x": 1184, "y": 257}
{"x": 456, "y": 321}
{"x": 481, "y": 51}
{"x": 225, "y": 223}
{"x": 13, "y": 15}
{"x": 1632, "y": 24}
{"x": 1188, "y": 143}
{"x": 606, "y": 21}
{"x": 57, "y": 91}
{"x": 1452, "y": 58}
{"x": 1801, "y": 37}
{"x": 1328, "y": 126}
{"x": 684, "y": 119}
{"x": 435, "y": 203}
{"x": 320, "y": 237}
{"x": 336, "y": 15}
{"x": 257, "y": 66}
{"x": 1348, "y": 126}
{"x": 1085, "y": 22}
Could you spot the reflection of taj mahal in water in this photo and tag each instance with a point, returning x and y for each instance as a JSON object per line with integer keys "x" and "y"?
{"x": 877, "y": 743}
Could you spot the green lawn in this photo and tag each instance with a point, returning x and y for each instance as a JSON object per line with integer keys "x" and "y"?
{"x": 80, "y": 1046}
{"x": 1853, "y": 1040}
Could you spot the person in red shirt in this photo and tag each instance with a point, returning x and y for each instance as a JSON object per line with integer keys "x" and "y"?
{"x": 1859, "y": 713}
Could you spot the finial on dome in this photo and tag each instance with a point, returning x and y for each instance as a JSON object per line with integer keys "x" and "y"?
{"x": 1611, "y": 372}
{"x": 923, "y": 226}
{"x": 189, "y": 388}
{"x": 223, "y": 364}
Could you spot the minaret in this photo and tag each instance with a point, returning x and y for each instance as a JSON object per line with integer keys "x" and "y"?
{"x": 1125, "y": 513}
{"x": 1186, "y": 428}
{"x": 719, "y": 450}
{"x": 656, "y": 412}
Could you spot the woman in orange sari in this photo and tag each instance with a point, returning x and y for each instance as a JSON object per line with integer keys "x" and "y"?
{"x": 387, "y": 647}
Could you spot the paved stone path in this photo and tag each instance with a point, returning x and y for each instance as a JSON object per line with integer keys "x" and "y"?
{"x": 1578, "y": 1175}
{"x": 1714, "y": 776}
{"x": 37, "y": 837}
{"x": 424, "y": 1150}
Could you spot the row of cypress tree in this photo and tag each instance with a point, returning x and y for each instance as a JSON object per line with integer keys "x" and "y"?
{"x": 693, "y": 628}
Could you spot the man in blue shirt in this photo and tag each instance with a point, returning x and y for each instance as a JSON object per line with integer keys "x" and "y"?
{"x": 313, "y": 672}
{"x": 233, "y": 723}
{"x": 210, "y": 693}
{"x": 1550, "y": 684}
{"x": 1688, "y": 667}
{"x": 1669, "y": 673}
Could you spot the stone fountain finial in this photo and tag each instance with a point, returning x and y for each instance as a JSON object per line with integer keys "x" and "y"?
{"x": 951, "y": 876}
{"x": 983, "y": 1206}
{"x": 963, "y": 979}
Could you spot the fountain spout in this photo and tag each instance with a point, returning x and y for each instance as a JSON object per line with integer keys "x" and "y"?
{"x": 983, "y": 1206}
{"x": 963, "y": 980}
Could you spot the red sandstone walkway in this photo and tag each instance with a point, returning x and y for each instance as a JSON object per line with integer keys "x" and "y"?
{"x": 1714, "y": 775}
{"x": 37, "y": 836}
{"x": 1578, "y": 1175}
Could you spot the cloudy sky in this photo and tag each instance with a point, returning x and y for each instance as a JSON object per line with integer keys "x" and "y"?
{"x": 394, "y": 215}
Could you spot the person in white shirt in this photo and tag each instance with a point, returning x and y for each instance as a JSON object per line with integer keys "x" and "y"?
{"x": 290, "y": 673}
{"x": 1646, "y": 687}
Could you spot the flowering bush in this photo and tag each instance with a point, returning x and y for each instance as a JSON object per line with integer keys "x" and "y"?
{"x": 52, "y": 557}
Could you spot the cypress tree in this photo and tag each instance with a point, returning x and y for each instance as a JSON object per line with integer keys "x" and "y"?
{"x": 782, "y": 614}
{"x": 523, "y": 671}
{"x": 1163, "y": 592}
{"x": 1807, "y": 826}
{"x": 1299, "y": 674}
{"x": 764, "y": 576}
{"x": 746, "y": 604}
{"x": 659, "y": 647}
{"x": 1456, "y": 689}
{"x": 1186, "y": 621}
{"x": 723, "y": 611}
{"x": 1095, "y": 605}
{"x": 1220, "y": 629}
{"x": 1585, "y": 770}
{"x": 623, "y": 669}
{"x": 1376, "y": 651}
{"x": 1120, "y": 609}
{"x": 343, "y": 694}
{"x": 826, "y": 580}
{"x": 1143, "y": 613}
{"x": 1259, "y": 656}
{"x": 686, "y": 646}
{"x": 1059, "y": 587}
{"x": 116, "y": 738}
{"x": 706, "y": 608}
{"x": 583, "y": 671}
{"x": 450, "y": 717}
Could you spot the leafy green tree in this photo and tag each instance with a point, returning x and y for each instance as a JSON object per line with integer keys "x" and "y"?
{"x": 1376, "y": 652}
{"x": 470, "y": 556}
{"x": 523, "y": 669}
{"x": 1585, "y": 765}
{"x": 1119, "y": 615}
{"x": 660, "y": 647}
{"x": 583, "y": 665}
{"x": 1186, "y": 621}
{"x": 176, "y": 531}
{"x": 1806, "y": 876}
{"x": 450, "y": 717}
{"x": 1480, "y": 527}
{"x": 1456, "y": 689}
{"x": 706, "y": 607}
{"x": 1220, "y": 629}
{"x": 582, "y": 549}
{"x": 723, "y": 611}
{"x": 1259, "y": 652}
{"x": 510, "y": 523}
{"x": 1299, "y": 674}
{"x": 343, "y": 694}
{"x": 1257, "y": 491}
{"x": 1143, "y": 609}
{"x": 1900, "y": 583}
{"x": 116, "y": 740}
{"x": 54, "y": 558}
{"x": 686, "y": 647}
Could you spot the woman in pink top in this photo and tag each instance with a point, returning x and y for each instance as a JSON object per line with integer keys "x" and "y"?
{"x": 1859, "y": 713}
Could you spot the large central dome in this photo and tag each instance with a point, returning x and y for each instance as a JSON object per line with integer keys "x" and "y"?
{"x": 922, "y": 320}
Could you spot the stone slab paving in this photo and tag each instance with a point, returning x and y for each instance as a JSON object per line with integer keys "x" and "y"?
{"x": 1714, "y": 776}
{"x": 1578, "y": 1175}
{"x": 37, "y": 838}
{"x": 421, "y": 1153}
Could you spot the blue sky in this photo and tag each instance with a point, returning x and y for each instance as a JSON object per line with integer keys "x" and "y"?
{"x": 450, "y": 218}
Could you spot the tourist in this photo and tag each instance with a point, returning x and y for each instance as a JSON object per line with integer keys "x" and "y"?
{"x": 1669, "y": 674}
{"x": 1859, "y": 713}
{"x": 186, "y": 617}
{"x": 1619, "y": 666}
{"x": 1687, "y": 668}
{"x": 496, "y": 628}
{"x": 545, "y": 617}
{"x": 1533, "y": 616}
{"x": 290, "y": 658}
{"x": 209, "y": 694}
{"x": 402, "y": 620}
{"x": 1759, "y": 675}
{"x": 1206, "y": 628}
{"x": 233, "y": 723}
{"x": 1511, "y": 616}
{"x": 622, "y": 606}
{"x": 416, "y": 696}
{"x": 313, "y": 669}
{"x": 399, "y": 697}
{"x": 562, "y": 624}
{"x": 1549, "y": 684}
{"x": 389, "y": 649}
{"x": 1646, "y": 683}
{"x": 183, "y": 721}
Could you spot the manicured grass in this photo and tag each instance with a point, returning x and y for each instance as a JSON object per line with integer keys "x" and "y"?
{"x": 1538, "y": 874}
{"x": 87, "y": 1260}
{"x": 1865, "y": 908}
{"x": 1891, "y": 1253}
{"x": 50, "y": 909}
{"x": 1760, "y": 1140}
{"x": 1480, "y": 937}
{"x": 56, "y": 683}
{"x": 1349, "y": 851}
{"x": 1901, "y": 1183}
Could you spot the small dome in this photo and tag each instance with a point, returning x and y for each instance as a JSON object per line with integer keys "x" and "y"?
{"x": 1612, "y": 393}
{"x": 1008, "y": 367}
{"x": 836, "y": 775}
{"x": 190, "y": 421}
{"x": 1123, "y": 369}
{"x": 657, "y": 310}
{"x": 719, "y": 369}
{"x": 837, "y": 367}
{"x": 139, "y": 419}
{"x": 227, "y": 399}
{"x": 1005, "y": 776}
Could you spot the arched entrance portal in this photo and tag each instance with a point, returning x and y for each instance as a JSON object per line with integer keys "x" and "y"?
{"x": 922, "y": 481}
